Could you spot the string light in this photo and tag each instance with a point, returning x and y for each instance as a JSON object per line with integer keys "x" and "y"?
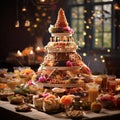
{"x": 83, "y": 43}
{"x": 108, "y": 50}
{"x": 103, "y": 61}
{"x": 19, "y": 53}
{"x": 101, "y": 56}
{"x": 95, "y": 59}
{"x": 35, "y": 25}
{"x": 90, "y": 36}
{"x": 24, "y": 9}
{"x": 85, "y": 11}
{"x": 84, "y": 54}
{"x": 17, "y": 24}
{"x": 87, "y": 27}
{"x": 85, "y": 22}
{"x": 37, "y": 19}
{"x": 27, "y": 23}
{"x": 84, "y": 33}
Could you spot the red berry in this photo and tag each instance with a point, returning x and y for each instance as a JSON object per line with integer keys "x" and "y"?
{"x": 69, "y": 63}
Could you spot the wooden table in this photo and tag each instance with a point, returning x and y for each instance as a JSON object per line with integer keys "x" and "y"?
{"x": 7, "y": 112}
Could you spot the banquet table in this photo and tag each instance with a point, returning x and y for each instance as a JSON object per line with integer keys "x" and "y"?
{"x": 8, "y": 112}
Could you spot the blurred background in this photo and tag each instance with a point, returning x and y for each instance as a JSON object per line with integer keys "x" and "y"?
{"x": 96, "y": 23}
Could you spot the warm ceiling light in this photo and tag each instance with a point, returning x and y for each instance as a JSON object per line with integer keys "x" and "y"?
{"x": 17, "y": 24}
{"x": 24, "y": 9}
{"x": 42, "y": 0}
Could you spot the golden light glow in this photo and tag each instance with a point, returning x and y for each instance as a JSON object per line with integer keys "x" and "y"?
{"x": 84, "y": 54}
{"x": 84, "y": 33}
{"x": 103, "y": 61}
{"x": 24, "y": 9}
{"x": 44, "y": 14}
{"x": 101, "y": 56}
{"x": 38, "y": 48}
{"x": 87, "y": 27}
{"x": 27, "y": 23}
{"x": 85, "y": 22}
{"x": 108, "y": 50}
{"x": 19, "y": 53}
{"x": 38, "y": 19}
{"x": 92, "y": 17}
{"x": 85, "y": 11}
{"x": 17, "y": 24}
{"x": 95, "y": 59}
{"x": 35, "y": 25}
{"x": 31, "y": 52}
{"x": 90, "y": 36}
{"x": 83, "y": 43}
{"x": 96, "y": 39}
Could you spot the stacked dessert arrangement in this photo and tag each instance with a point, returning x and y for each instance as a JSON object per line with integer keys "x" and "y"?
{"x": 62, "y": 64}
{"x": 67, "y": 82}
{"x": 63, "y": 75}
{"x": 63, "y": 82}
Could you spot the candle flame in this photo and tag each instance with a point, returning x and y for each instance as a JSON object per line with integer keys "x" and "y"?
{"x": 19, "y": 53}
{"x": 31, "y": 52}
{"x": 38, "y": 48}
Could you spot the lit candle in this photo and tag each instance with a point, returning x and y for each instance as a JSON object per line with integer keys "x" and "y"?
{"x": 37, "y": 49}
{"x": 17, "y": 24}
{"x": 19, "y": 53}
{"x": 20, "y": 56}
{"x": 31, "y": 52}
{"x": 31, "y": 57}
{"x": 27, "y": 23}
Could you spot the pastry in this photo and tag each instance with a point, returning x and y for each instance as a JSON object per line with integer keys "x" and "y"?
{"x": 47, "y": 103}
{"x": 5, "y": 93}
{"x": 23, "y": 108}
{"x": 16, "y": 99}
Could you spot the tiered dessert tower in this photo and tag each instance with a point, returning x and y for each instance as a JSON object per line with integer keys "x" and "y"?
{"x": 62, "y": 64}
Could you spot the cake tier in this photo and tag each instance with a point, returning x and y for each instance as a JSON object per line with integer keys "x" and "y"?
{"x": 63, "y": 77}
{"x": 63, "y": 73}
{"x": 62, "y": 59}
{"x": 61, "y": 47}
